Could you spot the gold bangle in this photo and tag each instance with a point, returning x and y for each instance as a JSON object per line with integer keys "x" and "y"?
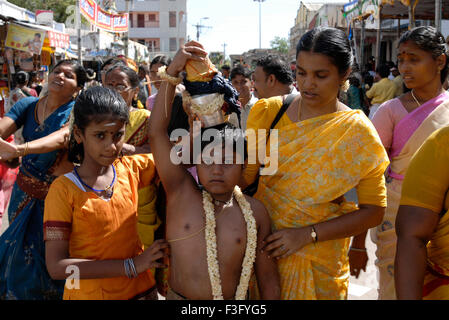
{"x": 25, "y": 151}
{"x": 162, "y": 73}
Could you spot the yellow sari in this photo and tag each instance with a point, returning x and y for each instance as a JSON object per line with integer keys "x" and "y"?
{"x": 148, "y": 221}
{"x": 320, "y": 159}
{"x": 426, "y": 186}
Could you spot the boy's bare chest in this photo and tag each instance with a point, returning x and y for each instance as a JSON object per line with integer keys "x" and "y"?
{"x": 189, "y": 226}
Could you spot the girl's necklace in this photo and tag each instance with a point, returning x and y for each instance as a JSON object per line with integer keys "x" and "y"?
{"x": 108, "y": 190}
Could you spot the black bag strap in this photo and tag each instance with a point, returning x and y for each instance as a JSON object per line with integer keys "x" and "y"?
{"x": 288, "y": 100}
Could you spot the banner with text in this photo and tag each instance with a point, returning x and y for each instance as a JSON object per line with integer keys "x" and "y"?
{"x": 103, "y": 19}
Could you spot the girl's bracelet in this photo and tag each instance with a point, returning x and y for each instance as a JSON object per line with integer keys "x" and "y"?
{"x": 162, "y": 73}
{"x": 357, "y": 249}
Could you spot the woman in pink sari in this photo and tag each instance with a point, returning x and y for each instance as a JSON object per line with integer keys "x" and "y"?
{"x": 403, "y": 125}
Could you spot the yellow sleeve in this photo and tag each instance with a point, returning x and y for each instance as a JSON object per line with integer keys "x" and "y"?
{"x": 371, "y": 189}
{"x": 58, "y": 210}
{"x": 426, "y": 181}
{"x": 371, "y": 92}
{"x": 260, "y": 116}
{"x": 142, "y": 167}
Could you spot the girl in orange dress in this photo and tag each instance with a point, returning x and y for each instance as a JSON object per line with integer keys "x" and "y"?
{"x": 90, "y": 219}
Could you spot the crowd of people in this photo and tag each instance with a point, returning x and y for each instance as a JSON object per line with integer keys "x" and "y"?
{"x": 98, "y": 209}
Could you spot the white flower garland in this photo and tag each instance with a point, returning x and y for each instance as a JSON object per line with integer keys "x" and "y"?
{"x": 211, "y": 246}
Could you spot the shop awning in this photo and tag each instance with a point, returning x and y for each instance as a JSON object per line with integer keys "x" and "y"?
{"x": 424, "y": 10}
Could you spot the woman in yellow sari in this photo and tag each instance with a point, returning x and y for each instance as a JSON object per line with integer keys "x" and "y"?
{"x": 324, "y": 150}
{"x": 126, "y": 81}
{"x": 422, "y": 224}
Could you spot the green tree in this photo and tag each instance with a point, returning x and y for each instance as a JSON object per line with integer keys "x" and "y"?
{"x": 279, "y": 44}
{"x": 216, "y": 58}
{"x": 57, "y": 6}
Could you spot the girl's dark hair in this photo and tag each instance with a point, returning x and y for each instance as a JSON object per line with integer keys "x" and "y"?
{"x": 130, "y": 73}
{"x": 94, "y": 104}
{"x": 164, "y": 60}
{"x": 81, "y": 76}
{"x": 431, "y": 40}
{"x": 331, "y": 42}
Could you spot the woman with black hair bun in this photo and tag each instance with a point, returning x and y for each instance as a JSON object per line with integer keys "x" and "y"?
{"x": 403, "y": 124}
{"x": 45, "y": 131}
{"x": 324, "y": 150}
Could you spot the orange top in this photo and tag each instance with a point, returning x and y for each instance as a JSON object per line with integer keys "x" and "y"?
{"x": 100, "y": 229}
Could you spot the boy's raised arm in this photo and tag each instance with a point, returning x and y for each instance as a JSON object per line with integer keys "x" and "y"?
{"x": 172, "y": 175}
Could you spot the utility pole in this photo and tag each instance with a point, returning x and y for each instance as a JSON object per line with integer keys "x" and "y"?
{"x": 127, "y": 31}
{"x": 438, "y": 6}
{"x": 260, "y": 22}
{"x": 199, "y": 26}
{"x": 78, "y": 27}
{"x": 224, "y": 52}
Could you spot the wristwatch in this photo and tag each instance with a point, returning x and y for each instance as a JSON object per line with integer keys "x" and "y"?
{"x": 314, "y": 235}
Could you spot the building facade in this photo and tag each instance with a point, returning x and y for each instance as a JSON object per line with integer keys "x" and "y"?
{"x": 161, "y": 25}
{"x": 304, "y": 17}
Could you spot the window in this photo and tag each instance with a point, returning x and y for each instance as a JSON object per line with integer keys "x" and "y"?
{"x": 172, "y": 19}
{"x": 153, "y": 45}
{"x": 173, "y": 46}
{"x": 153, "y": 20}
{"x": 140, "y": 21}
{"x": 131, "y": 20}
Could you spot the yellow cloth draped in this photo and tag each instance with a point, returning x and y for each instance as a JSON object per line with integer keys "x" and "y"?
{"x": 137, "y": 128}
{"x": 436, "y": 284}
{"x": 384, "y": 235}
{"x": 426, "y": 186}
{"x": 148, "y": 221}
{"x": 320, "y": 159}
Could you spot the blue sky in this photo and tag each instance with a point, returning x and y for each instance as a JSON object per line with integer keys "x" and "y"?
{"x": 236, "y": 22}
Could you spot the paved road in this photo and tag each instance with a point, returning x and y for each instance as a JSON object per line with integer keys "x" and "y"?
{"x": 363, "y": 288}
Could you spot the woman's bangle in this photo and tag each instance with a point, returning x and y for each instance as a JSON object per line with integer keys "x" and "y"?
{"x": 358, "y": 249}
{"x": 162, "y": 73}
{"x": 24, "y": 152}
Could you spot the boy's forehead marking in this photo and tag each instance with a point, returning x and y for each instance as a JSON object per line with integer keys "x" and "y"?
{"x": 110, "y": 124}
